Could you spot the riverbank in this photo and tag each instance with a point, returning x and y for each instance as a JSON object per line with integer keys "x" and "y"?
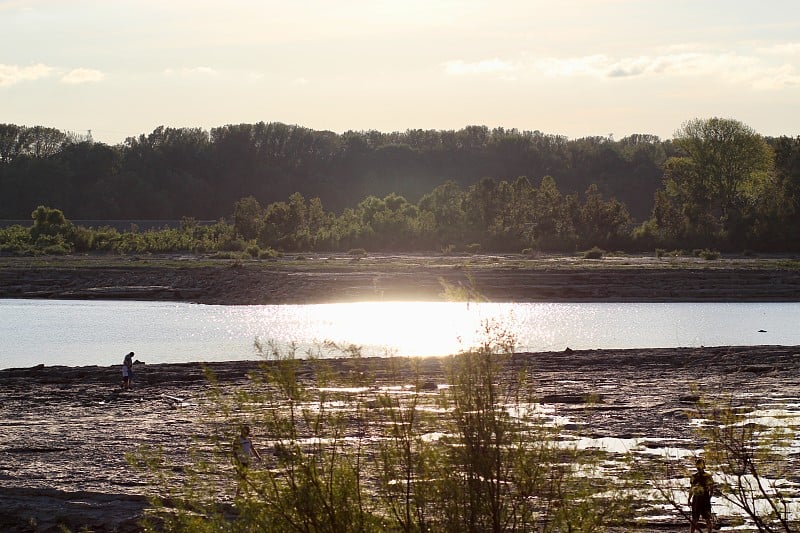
{"x": 66, "y": 430}
{"x": 322, "y": 278}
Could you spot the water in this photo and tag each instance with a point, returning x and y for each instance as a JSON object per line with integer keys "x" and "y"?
{"x": 69, "y": 332}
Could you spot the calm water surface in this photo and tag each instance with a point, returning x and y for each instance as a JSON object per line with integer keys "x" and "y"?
{"x": 75, "y": 333}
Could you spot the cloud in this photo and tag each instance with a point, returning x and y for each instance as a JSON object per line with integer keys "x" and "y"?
{"x": 778, "y": 78}
{"x": 783, "y": 49}
{"x": 486, "y": 66}
{"x": 82, "y": 75}
{"x": 593, "y": 65}
{"x": 192, "y": 71}
{"x": 731, "y": 67}
{"x": 13, "y": 74}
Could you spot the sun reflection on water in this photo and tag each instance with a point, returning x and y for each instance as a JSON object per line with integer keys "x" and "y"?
{"x": 403, "y": 328}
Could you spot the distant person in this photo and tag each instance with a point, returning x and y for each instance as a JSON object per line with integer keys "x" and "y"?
{"x": 243, "y": 453}
{"x": 700, "y": 491}
{"x": 127, "y": 371}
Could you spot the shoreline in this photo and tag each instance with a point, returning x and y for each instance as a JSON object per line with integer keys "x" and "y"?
{"x": 328, "y": 279}
{"x": 66, "y": 430}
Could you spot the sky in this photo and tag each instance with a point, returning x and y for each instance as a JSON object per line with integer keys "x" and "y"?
{"x": 576, "y": 68}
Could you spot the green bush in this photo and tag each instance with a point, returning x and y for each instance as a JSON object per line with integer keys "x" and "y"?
{"x": 232, "y": 245}
{"x": 15, "y": 238}
{"x": 705, "y": 253}
{"x": 253, "y": 250}
{"x": 357, "y": 252}
{"x": 354, "y": 453}
{"x": 594, "y": 253}
{"x": 473, "y": 248}
{"x": 268, "y": 253}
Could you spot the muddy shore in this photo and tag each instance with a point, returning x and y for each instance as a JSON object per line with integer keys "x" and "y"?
{"x": 64, "y": 431}
{"x": 323, "y": 278}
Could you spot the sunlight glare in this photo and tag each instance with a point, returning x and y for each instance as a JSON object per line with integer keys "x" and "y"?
{"x": 408, "y": 328}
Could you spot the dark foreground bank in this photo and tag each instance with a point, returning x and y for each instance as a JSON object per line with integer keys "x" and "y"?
{"x": 65, "y": 431}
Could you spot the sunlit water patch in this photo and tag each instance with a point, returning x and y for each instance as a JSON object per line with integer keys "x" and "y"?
{"x": 100, "y": 332}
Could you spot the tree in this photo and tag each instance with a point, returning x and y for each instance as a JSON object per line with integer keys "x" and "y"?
{"x": 722, "y": 166}
{"x": 445, "y": 203}
{"x": 248, "y": 218}
{"x": 603, "y": 223}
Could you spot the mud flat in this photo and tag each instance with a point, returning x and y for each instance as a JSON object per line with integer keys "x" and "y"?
{"x": 322, "y": 278}
{"x": 64, "y": 431}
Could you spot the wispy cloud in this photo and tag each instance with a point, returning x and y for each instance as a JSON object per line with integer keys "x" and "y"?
{"x": 191, "y": 71}
{"x": 784, "y": 49}
{"x": 459, "y": 67}
{"x": 750, "y": 69}
{"x": 82, "y": 75}
{"x": 13, "y": 74}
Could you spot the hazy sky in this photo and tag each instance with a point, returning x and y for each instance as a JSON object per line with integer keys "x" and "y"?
{"x": 570, "y": 67}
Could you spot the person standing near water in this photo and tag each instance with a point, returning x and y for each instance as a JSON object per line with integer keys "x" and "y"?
{"x": 700, "y": 491}
{"x": 127, "y": 371}
{"x": 243, "y": 453}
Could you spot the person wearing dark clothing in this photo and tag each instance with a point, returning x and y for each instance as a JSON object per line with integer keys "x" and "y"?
{"x": 700, "y": 491}
{"x": 127, "y": 371}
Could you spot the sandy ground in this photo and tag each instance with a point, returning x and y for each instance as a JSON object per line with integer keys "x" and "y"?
{"x": 64, "y": 432}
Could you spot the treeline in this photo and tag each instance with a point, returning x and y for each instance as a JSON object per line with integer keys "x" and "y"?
{"x": 174, "y": 172}
{"x": 720, "y": 186}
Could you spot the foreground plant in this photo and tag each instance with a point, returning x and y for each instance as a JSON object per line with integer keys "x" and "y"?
{"x": 346, "y": 452}
{"x": 749, "y": 460}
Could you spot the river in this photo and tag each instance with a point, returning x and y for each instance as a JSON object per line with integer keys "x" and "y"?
{"x": 76, "y": 332}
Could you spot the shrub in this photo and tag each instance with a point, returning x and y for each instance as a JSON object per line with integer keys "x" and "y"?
{"x": 449, "y": 249}
{"x": 357, "y": 252}
{"x": 225, "y": 255}
{"x": 14, "y": 238}
{"x": 252, "y": 250}
{"x": 228, "y": 244}
{"x": 594, "y": 253}
{"x": 473, "y": 248}
{"x": 705, "y": 253}
{"x": 268, "y": 253}
{"x": 351, "y": 453}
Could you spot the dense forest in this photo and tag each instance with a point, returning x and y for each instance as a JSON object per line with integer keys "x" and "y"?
{"x": 716, "y": 184}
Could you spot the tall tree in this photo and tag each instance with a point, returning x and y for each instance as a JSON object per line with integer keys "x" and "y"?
{"x": 723, "y": 165}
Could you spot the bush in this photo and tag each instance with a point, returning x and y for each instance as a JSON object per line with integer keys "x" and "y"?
{"x": 357, "y": 252}
{"x": 14, "y": 239}
{"x": 352, "y": 453}
{"x": 268, "y": 253}
{"x": 232, "y": 245}
{"x": 253, "y": 250}
{"x": 225, "y": 255}
{"x": 473, "y": 248}
{"x": 449, "y": 249}
{"x": 594, "y": 253}
{"x": 705, "y": 253}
